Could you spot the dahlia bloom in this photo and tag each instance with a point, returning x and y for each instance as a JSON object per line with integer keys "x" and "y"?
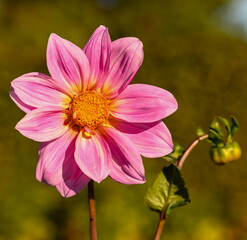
{"x": 91, "y": 122}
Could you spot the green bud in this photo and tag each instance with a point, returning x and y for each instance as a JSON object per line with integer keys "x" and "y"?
{"x": 224, "y": 153}
{"x": 199, "y": 132}
{"x": 175, "y": 155}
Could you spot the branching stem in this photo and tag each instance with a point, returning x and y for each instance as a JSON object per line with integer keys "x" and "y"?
{"x": 180, "y": 163}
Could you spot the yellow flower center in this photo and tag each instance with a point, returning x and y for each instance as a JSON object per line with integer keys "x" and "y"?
{"x": 89, "y": 109}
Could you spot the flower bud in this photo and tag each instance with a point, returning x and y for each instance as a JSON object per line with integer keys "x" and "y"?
{"x": 224, "y": 153}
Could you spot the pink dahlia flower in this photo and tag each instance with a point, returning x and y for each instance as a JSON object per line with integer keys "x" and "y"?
{"x": 91, "y": 122}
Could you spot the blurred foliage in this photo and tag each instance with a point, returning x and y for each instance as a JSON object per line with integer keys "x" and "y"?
{"x": 186, "y": 53}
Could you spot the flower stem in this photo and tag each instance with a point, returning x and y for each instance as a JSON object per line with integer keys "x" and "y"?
{"x": 161, "y": 225}
{"x": 189, "y": 149}
{"x": 180, "y": 163}
{"x": 92, "y": 211}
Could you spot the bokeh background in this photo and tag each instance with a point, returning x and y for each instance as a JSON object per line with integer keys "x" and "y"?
{"x": 195, "y": 49}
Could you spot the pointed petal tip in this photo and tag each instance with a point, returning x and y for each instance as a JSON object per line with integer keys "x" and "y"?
{"x": 125, "y": 179}
{"x": 173, "y": 104}
{"x": 68, "y": 189}
{"x": 17, "y": 126}
{"x": 63, "y": 192}
{"x": 142, "y": 179}
{"x": 99, "y": 30}
{"x": 95, "y": 177}
{"x": 53, "y": 35}
{"x": 12, "y": 91}
{"x": 99, "y": 179}
{"x": 137, "y": 42}
{"x": 54, "y": 39}
{"x": 38, "y": 175}
{"x": 140, "y": 43}
{"x": 102, "y": 27}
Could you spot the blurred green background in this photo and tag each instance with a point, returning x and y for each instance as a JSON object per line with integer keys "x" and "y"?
{"x": 188, "y": 52}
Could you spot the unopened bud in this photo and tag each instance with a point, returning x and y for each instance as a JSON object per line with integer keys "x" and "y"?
{"x": 224, "y": 153}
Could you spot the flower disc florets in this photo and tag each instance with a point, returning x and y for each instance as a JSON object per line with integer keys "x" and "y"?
{"x": 89, "y": 109}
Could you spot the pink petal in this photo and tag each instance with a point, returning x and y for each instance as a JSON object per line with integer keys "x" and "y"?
{"x": 127, "y": 166}
{"x": 97, "y": 51}
{"x": 23, "y": 106}
{"x": 43, "y": 124}
{"x": 54, "y": 157}
{"x": 126, "y": 58}
{"x": 143, "y": 103}
{"x": 93, "y": 156}
{"x": 74, "y": 184}
{"x": 118, "y": 175}
{"x": 151, "y": 139}
{"x": 67, "y": 64}
{"x": 35, "y": 90}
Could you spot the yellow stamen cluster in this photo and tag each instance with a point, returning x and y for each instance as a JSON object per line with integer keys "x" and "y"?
{"x": 89, "y": 109}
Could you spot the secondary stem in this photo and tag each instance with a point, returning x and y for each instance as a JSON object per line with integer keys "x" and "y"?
{"x": 92, "y": 211}
{"x": 180, "y": 163}
{"x": 189, "y": 149}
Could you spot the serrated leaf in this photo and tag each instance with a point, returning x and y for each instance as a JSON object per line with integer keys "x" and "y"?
{"x": 168, "y": 191}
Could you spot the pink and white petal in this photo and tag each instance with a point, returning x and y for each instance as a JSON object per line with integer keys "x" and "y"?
{"x": 118, "y": 175}
{"x": 38, "y": 90}
{"x": 93, "y": 156}
{"x": 73, "y": 185}
{"x": 125, "y": 155}
{"x": 67, "y": 64}
{"x": 43, "y": 124}
{"x": 52, "y": 158}
{"x": 143, "y": 103}
{"x": 98, "y": 50}
{"x": 151, "y": 139}
{"x": 126, "y": 58}
{"x": 23, "y": 106}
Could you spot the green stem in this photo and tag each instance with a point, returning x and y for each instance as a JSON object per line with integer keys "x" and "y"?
{"x": 180, "y": 163}
{"x": 92, "y": 211}
{"x": 189, "y": 149}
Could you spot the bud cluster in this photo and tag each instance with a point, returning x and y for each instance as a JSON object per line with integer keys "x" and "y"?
{"x": 224, "y": 149}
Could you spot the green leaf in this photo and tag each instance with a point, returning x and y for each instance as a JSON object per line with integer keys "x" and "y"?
{"x": 214, "y": 137}
{"x": 175, "y": 155}
{"x": 170, "y": 159}
{"x": 177, "y": 152}
{"x": 168, "y": 191}
{"x": 235, "y": 126}
{"x": 226, "y": 123}
{"x": 215, "y": 126}
{"x": 199, "y": 132}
